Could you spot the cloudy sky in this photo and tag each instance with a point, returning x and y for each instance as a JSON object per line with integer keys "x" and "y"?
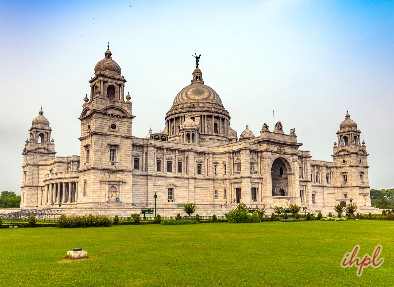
{"x": 308, "y": 60}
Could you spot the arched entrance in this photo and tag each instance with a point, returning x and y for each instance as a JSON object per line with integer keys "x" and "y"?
{"x": 280, "y": 177}
{"x": 113, "y": 194}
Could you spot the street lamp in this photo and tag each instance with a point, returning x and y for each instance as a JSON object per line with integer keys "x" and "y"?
{"x": 155, "y": 197}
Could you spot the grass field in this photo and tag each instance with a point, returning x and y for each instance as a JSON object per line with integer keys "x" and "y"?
{"x": 221, "y": 254}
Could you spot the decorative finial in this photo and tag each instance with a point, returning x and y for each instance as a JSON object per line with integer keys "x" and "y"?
{"x": 247, "y": 126}
{"x": 150, "y": 130}
{"x": 108, "y": 46}
{"x": 41, "y": 112}
{"x": 128, "y": 97}
{"x": 86, "y": 98}
{"x": 347, "y": 114}
{"x": 197, "y": 59}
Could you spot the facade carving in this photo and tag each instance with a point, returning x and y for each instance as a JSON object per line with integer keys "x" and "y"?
{"x": 197, "y": 158}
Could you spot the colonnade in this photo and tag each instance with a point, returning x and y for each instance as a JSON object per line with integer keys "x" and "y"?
{"x": 61, "y": 192}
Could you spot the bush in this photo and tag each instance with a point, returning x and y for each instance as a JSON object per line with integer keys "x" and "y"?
{"x": 273, "y": 217}
{"x": 390, "y": 215}
{"x": 294, "y": 208}
{"x": 329, "y": 214}
{"x": 339, "y": 209}
{"x": 178, "y": 216}
{"x": 285, "y": 216}
{"x": 308, "y": 216}
{"x": 297, "y": 216}
{"x": 84, "y": 221}
{"x": 351, "y": 208}
{"x": 158, "y": 219}
{"x": 189, "y": 208}
{"x": 214, "y": 218}
{"x": 1, "y": 221}
{"x": 255, "y": 217}
{"x": 32, "y": 221}
{"x": 239, "y": 214}
{"x": 319, "y": 216}
{"x": 136, "y": 218}
{"x": 178, "y": 221}
{"x": 116, "y": 220}
{"x": 197, "y": 217}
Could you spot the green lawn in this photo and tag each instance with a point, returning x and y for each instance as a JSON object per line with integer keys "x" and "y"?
{"x": 216, "y": 254}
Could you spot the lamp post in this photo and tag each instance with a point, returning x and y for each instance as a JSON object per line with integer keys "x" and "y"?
{"x": 155, "y": 197}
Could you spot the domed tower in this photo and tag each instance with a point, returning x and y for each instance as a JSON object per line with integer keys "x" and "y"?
{"x": 205, "y": 108}
{"x": 246, "y": 134}
{"x": 106, "y": 135}
{"x": 351, "y": 165}
{"x": 38, "y": 152}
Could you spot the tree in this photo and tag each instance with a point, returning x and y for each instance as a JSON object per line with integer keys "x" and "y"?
{"x": 189, "y": 208}
{"x": 240, "y": 214}
{"x": 351, "y": 208}
{"x": 339, "y": 209}
{"x": 8, "y": 199}
{"x": 294, "y": 208}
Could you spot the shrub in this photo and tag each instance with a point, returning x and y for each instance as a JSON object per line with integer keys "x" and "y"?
{"x": 239, "y": 214}
{"x": 136, "y": 218}
{"x": 32, "y": 221}
{"x": 189, "y": 208}
{"x": 390, "y": 215}
{"x": 297, "y": 216}
{"x": 158, "y": 219}
{"x": 84, "y": 221}
{"x": 294, "y": 208}
{"x": 255, "y": 217}
{"x": 214, "y": 218}
{"x": 261, "y": 213}
{"x": 319, "y": 216}
{"x": 273, "y": 217}
{"x": 285, "y": 216}
{"x": 278, "y": 210}
{"x": 178, "y": 216}
{"x": 1, "y": 221}
{"x": 308, "y": 216}
{"x": 116, "y": 220}
{"x": 178, "y": 221}
{"x": 329, "y": 214}
{"x": 339, "y": 209}
{"x": 351, "y": 208}
{"x": 198, "y": 217}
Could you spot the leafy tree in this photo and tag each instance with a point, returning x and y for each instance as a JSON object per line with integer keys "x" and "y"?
{"x": 339, "y": 209}
{"x": 8, "y": 199}
{"x": 351, "y": 208}
{"x": 189, "y": 208}
{"x": 294, "y": 208}
{"x": 383, "y": 198}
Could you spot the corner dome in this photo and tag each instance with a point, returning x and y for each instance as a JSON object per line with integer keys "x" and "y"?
{"x": 40, "y": 120}
{"x": 246, "y": 134}
{"x": 107, "y": 64}
{"x": 348, "y": 123}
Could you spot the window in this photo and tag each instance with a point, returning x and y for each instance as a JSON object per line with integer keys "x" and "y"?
{"x": 111, "y": 93}
{"x": 85, "y": 183}
{"x": 225, "y": 194}
{"x": 224, "y": 168}
{"x": 344, "y": 176}
{"x": 170, "y": 195}
{"x": 317, "y": 177}
{"x": 328, "y": 177}
{"x": 158, "y": 165}
{"x": 199, "y": 168}
{"x": 313, "y": 198}
{"x": 345, "y": 195}
{"x": 362, "y": 177}
{"x": 169, "y": 166}
{"x": 112, "y": 154}
{"x": 179, "y": 167}
{"x": 281, "y": 171}
{"x": 215, "y": 169}
{"x": 87, "y": 154}
{"x": 237, "y": 166}
{"x": 253, "y": 168}
{"x": 302, "y": 196}
{"x": 136, "y": 163}
{"x": 40, "y": 139}
{"x": 254, "y": 194}
{"x": 215, "y": 194}
{"x": 215, "y": 128}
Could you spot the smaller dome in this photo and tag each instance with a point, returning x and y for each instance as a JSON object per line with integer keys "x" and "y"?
{"x": 107, "y": 64}
{"x": 348, "y": 123}
{"x": 246, "y": 134}
{"x": 40, "y": 119}
{"x": 232, "y": 134}
{"x": 149, "y": 134}
{"x": 189, "y": 123}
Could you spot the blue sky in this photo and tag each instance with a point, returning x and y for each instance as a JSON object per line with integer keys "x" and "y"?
{"x": 309, "y": 61}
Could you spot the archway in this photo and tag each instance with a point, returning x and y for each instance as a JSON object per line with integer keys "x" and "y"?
{"x": 280, "y": 177}
{"x": 113, "y": 194}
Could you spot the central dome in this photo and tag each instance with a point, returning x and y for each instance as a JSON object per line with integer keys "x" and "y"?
{"x": 107, "y": 64}
{"x": 197, "y": 92}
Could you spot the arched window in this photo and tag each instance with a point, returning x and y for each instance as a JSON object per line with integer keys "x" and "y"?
{"x": 111, "y": 93}
{"x": 346, "y": 140}
{"x": 40, "y": 138}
